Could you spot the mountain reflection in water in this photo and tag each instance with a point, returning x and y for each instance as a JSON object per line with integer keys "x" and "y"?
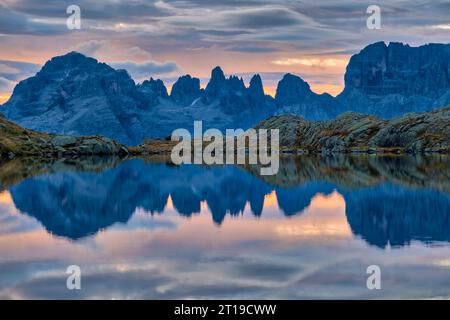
{"x": 387, "y": 200}
{"x": 131, "y": 215}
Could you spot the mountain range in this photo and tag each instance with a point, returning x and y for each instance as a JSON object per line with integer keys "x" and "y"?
{"x": 77, "y": 95}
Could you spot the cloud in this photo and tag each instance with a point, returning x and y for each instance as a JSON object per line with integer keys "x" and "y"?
{"x": 147, "y": 69}
{"x": 12, "y": 22}
{"x": 11, "y": 72}
{"x": 252, "y": 49}
{"x": 185, "y": 24}
{"x": 246, "y": 19}
{"x": 91, "y": 47}
{"x": 311, "y": 62}
{"x": 441, "y": 26}
{"x": 103, "y": 10}
{"x": 102, "y": 48}
{"x": 5, "y": 69}
{"x": 266, "y": 17}
{"x": 6, "y": 85}
{"x": 204, "y": 30}
{"x": 17, "y": 70}
{"x": 137, "y": 53}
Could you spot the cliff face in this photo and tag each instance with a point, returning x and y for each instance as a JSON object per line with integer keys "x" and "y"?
{"x": 382, "y": 69}
{"x": 390, "y": 80}
{"x": 382, "y": 80}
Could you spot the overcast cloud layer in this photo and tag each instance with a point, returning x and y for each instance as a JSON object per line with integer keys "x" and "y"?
{"x": 168, "y": 38}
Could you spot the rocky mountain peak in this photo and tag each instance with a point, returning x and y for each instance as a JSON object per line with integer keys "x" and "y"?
{"x": 72, "y": 60}
{"x": 74, "y": 94}
{"x": 232, "y": 94}
{"x": 185, "y": 90}
{"x": 292, "y": 90}
{"x": 154, "y": 86}
{"x": 217, "y": 75}
{"x": 256, "y": 91}
{"x": 152, "y": 90}
{"x": 256, "y": 84}
{"x": 215, "y": 85}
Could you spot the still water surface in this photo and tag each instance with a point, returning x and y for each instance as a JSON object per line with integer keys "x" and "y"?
{"x": 140, "y": 229}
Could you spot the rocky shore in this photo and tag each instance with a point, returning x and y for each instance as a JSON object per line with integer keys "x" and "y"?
{"x": 357, "y": 133}
{"x": 17, "y": 141}
{"x": 350, "y": 132}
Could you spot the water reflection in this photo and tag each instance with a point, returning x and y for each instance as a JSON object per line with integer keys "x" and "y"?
{"x": 163, "y": 231}
{"x": 391, "y": 215}
{"x": 386, "y": 201}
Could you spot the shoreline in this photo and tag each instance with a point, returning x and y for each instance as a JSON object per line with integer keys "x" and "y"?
{"x": 349, "y": 133}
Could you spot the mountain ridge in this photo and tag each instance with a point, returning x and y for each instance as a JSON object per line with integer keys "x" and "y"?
{"x": 78, "y": 95}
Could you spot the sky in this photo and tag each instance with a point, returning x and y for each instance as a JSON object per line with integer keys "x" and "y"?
{"x": 168, "y": 38}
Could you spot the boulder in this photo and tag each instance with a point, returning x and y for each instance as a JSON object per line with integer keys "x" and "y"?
{"x": 63, "y": 141}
